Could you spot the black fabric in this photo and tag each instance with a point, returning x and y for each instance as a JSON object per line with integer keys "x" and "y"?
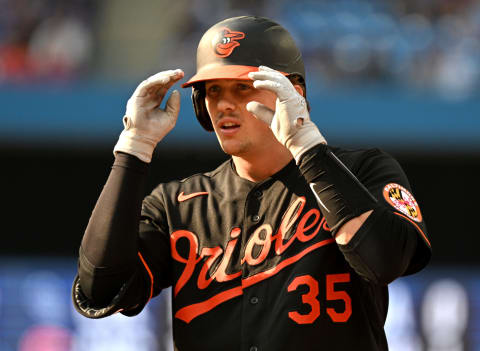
{"x": 108, "y": 253}
{"x": 129, "y": 294}
{"x": 375, "y": 169}
{"x": 222, "y": 241}
{"x": 341, "y": 196}
{"x": 371, "y": 247}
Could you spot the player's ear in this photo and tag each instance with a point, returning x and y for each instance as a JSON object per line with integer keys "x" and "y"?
{"x": 299, "y": 89}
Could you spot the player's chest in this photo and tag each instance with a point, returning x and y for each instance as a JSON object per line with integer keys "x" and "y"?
{"x": 219, "y": 239}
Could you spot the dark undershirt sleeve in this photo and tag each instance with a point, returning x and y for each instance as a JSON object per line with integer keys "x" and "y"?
{"x": 108, "y": 255}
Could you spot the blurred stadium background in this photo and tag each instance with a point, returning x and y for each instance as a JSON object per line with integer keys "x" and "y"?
{"x": 401, "y": 75}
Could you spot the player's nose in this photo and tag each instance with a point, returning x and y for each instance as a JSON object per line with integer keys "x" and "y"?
{"x": 226, "y": 105}
{"x": 226, "y": 102}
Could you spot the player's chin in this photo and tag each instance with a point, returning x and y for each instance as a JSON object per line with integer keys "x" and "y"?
{"x": 228, "y": 148}
{"x": 232, "y": 147}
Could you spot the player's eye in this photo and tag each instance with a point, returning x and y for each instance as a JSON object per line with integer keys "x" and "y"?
{"x": 243, "y": 87}
{"x": 213, "y": 90}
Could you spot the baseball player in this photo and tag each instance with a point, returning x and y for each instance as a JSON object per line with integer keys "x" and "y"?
{"x": 288, "y": 245}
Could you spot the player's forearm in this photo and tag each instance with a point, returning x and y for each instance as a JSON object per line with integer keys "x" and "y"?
{"x": 342, "y": 199}
{"x": 108, "y": 254}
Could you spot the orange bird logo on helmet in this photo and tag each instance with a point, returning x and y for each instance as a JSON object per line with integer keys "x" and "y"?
{"x": 225, "y": 41}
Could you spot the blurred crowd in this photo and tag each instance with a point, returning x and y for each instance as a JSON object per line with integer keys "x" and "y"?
{"x": 428, "y": 44}
{"x": 45, "y": 39}
{"x": 432, "y": 45}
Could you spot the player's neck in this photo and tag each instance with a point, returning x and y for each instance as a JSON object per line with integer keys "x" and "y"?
{"x": 258, "y": 167}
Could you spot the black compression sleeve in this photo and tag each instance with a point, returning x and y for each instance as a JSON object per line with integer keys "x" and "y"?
{"x": 340, "y": 194}
{"x": 108, "y": 253}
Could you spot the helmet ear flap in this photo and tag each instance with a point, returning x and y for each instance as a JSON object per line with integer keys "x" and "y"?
{"x": 198, "y": 99}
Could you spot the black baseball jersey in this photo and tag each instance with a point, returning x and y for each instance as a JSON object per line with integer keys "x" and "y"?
{"x": 253, "y": 266}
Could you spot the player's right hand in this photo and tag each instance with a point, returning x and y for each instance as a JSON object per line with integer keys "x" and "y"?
{"x": 290, "y": 122}
{"x": 145, "y": 124}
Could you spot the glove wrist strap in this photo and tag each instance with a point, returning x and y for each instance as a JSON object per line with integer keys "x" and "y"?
{"x": 310, "y": 138}
{"x": 305, "y": 139}
{"x": 137, "y": 145}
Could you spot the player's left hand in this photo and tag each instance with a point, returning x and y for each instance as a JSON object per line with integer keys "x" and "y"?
{"x": 145, "y": 123}
{"x": 290, "y": 122}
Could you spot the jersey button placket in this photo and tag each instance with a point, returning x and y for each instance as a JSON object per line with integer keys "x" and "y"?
{"x": 252, "y": 335}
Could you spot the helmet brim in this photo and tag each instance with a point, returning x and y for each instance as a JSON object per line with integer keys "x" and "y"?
{"x": 221, "y": 72}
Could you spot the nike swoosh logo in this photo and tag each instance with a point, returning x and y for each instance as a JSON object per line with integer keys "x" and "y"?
{"x": 182, "y": 197}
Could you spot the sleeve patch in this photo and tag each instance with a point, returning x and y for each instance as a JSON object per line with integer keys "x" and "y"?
{"x": 402, "y": 200}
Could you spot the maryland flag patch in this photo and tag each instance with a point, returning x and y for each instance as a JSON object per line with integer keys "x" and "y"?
{"x": 401, "y": 199}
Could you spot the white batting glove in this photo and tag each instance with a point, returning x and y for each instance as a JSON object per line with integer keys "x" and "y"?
{"x": 144, "y": 123}
{"x": 290, "y": 122}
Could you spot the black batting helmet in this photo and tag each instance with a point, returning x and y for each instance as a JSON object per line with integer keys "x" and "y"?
{"x": 237, "y": 46}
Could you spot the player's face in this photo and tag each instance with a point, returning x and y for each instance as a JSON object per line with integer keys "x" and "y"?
{"x": 238, "y": 131}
